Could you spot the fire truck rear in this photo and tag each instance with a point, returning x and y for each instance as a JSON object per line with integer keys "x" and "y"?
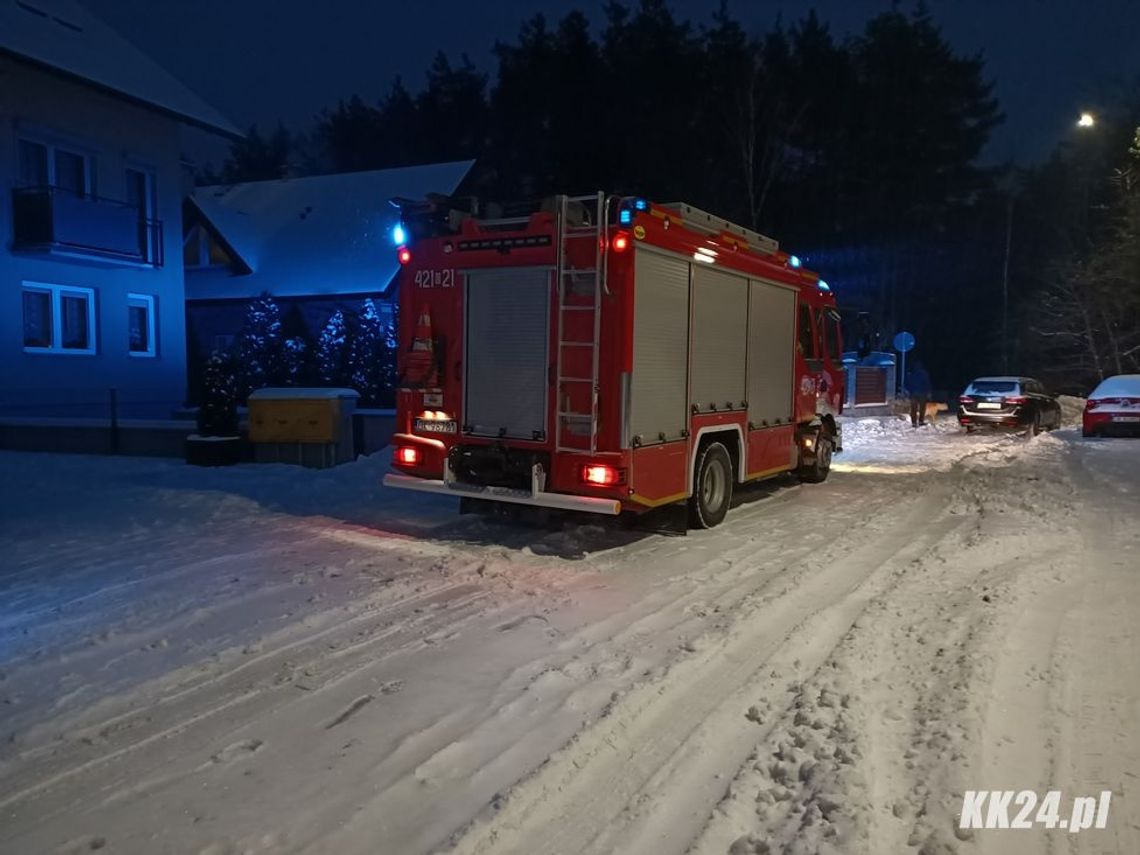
{"x": 608, "y": 354}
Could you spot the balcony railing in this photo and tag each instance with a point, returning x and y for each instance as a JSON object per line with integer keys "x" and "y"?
{"x": 53, "y": 219}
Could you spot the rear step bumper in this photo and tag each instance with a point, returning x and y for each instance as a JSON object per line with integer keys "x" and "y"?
{"x": 540, "y": 499}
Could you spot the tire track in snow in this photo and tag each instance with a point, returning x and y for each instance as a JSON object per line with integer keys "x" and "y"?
{"x": 659, "y": 731}
{"x": 140, "y": 727}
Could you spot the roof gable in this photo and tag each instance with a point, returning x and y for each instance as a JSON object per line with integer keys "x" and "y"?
{"x": 64, "y": 37}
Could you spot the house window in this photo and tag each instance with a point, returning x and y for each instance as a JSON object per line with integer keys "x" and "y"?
{"x": 33, "y": 164}
{"x": 47, "y": 165}
{"x": 142, "y": 195}
{"x": 140, "y": 325}
{"x": 199, "y": 249}
{"x": 58, "y": 319}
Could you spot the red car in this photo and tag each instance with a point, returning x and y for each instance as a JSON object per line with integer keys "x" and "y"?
{"x": 1113, "y": 407}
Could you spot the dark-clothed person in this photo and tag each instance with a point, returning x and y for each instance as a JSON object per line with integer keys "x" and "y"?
{"x": 918, "y": 387}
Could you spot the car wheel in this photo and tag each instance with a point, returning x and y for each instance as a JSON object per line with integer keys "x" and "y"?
{"x": 1034, "y": 427}
{"x": 712, "y": 487}
{"x": 817, "y": 471}
{"x": 970, "y": 429}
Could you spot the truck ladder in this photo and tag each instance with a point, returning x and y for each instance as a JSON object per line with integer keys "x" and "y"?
{"x": 579, "y": 322}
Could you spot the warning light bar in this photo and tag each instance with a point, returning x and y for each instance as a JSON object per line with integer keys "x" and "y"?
{"x": 504, "y": 243}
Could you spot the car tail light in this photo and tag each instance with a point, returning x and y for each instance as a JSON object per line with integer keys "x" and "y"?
{"x": 600, "y": 475}
{"x": 1016, "y": 399}
{"x": 1090, "y": 403}
{"x": 965, "y": 399}
{"x": 408, "y": 455}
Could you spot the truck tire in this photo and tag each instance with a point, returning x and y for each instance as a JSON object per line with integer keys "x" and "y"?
{"x": 712, "y": 487}
{"x": 817, "y": 471}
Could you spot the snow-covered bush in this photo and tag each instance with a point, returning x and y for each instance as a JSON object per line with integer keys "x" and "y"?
{"x": 373, "y": 356}
{"x": 296, "y": 361}
{"x": 217, "y": 415}
{"x": 261, "y": 345}
{"x": 334, "y": 351}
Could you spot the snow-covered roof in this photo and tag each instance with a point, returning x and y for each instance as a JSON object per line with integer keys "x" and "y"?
{"x": 63, "y": 36}
{"x": 1002, "y": 379}
{"x": 323, "y": 234}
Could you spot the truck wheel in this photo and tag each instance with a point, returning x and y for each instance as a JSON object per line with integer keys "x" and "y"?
{"x": 817, "y": 472}
{"x": 712, "y": 487}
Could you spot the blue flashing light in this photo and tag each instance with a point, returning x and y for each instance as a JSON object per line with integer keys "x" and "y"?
{"x": 823, "y": 286}
{"x": 399, "y": 234}
{"x": 795, "y": 261}
{"x": 640, "y": 205}
{"x": 625, "y": 217}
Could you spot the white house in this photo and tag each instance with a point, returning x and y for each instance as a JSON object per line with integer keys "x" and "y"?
{"x": 317, "y": 244}
{"x": 91, "y": 280}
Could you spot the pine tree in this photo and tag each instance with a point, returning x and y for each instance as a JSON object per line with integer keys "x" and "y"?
{"x": 391, "y": 348}
{"x": 261, "y": 346}
{"x": 217, "y": 415}
{"x": 296, "y": 360}
{"x": 368, "y": 348}
{"x": 334, "y": 351}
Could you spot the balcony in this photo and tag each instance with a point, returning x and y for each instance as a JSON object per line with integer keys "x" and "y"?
{"x": 58, "y": 221}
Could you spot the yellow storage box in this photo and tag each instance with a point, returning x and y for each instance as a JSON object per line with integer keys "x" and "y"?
{"x": 307, "y": 426}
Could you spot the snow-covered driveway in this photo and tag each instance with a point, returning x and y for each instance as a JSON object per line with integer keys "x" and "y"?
{"x": 267, "y": 659}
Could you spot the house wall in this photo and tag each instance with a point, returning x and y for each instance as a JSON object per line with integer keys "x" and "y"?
{"x": 117, "y": 134}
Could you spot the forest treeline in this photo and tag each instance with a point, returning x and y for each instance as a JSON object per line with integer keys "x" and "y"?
{"x": 862, "y": 155}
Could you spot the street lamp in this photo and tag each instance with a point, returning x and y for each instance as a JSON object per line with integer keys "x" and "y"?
{"x": 1087, "y": 120}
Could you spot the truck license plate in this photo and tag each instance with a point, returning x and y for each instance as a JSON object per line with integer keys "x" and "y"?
{"x": 432, "y": 426}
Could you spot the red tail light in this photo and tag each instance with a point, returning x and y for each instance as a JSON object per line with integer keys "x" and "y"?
{"x": 1016, "y": 399}
{"x": 965, "y": 399}
{"x": 404, "y": 255}
{"x": 600, "y": 475}
{"x": 408, "y": 455}
{"x": 620, "y": 242}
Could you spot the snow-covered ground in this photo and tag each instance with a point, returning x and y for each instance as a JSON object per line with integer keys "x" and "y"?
{"x": 268, "y": 659}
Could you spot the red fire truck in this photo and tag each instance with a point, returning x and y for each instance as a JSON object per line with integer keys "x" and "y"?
{"x": 609, "y": 354}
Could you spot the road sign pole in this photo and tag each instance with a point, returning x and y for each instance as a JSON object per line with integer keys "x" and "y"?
{"x": 903, "y": 342}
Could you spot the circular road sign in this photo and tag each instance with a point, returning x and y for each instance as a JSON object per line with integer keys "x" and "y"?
{"x": 903, "y": 342}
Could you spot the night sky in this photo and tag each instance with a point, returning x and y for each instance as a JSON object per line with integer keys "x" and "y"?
{"x": 264, "y": 60}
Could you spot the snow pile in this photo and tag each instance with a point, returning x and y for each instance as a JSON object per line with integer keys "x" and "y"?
{"x": 1072, "y": 408}
{"x": 890, "y": 445}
